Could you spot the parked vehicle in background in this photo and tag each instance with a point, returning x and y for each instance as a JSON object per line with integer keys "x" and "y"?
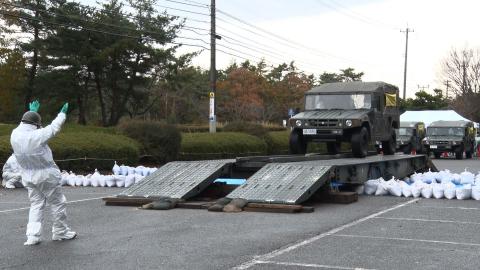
{"x": 456, "y": 137}
{"x": 357, "y": 112}
{"x": 410, "y": 136}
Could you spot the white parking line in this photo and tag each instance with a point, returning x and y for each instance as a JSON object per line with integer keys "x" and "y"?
{"x": 312, "y": 265}
{"x": 450, "y": 207}
{"x": 406, "y": 239}
{"x": 268, "y": 256}
{"x": 25, "y": 208}
{"x": 430, "y": 220}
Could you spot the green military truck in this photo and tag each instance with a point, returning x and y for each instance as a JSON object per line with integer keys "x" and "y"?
{"x": 410, "y": 136}
{"x": 451, "y": 136}
{"x": 356, "y": 112}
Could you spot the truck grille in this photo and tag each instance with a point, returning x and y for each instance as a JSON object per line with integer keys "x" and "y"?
{"x": 439, "y": 142}
{"x": 323, "y": 122}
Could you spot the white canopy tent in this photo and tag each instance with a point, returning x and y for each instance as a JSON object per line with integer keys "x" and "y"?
{"x": 428, "y": 117}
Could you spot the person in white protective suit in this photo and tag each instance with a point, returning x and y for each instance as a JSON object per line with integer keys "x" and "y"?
{"x": 11, "y": 173}
{"x": 40, "y": 175}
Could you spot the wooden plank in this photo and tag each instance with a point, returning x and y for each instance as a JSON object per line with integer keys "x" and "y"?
{"x": 194, "y": 205}
{"x": 275, "y": 206}
{"x": 114, "y": 201}
{"x": 271, "y": 210}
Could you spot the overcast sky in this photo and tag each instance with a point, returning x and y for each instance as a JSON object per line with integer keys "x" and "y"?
{"x": 328, "y": 35}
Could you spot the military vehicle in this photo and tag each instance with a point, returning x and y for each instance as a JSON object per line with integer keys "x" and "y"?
{"x": 357, "y": 112}
{"x": 452, "y": 137}
{"x": 410, "y": 136}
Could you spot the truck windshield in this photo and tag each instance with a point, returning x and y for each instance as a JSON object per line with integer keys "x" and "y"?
{"x": 445, "y": 131}
{"x": 404, "y": 131}
{"x": 342, "y": 102}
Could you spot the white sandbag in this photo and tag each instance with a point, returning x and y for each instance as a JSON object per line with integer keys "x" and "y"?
{"x": 64, "y": 180}
{"x": 381, "y": 188}
{"x": 456, "y": 178}
{"x": 467, "y": 177}
{"x": 138, "y": 178}
{"x": 123, "y": 170}
{"x": 129, "y": 180}
{"x": 116, "y": 169}
{"x": 427, "y": 190}
{"x": 152, "y": 170}
{"x": 94, "y": 181}
{"x": 416, "y": 177}
{"x": 476, "y": 192}
{"x": 87, "y": 180}
{"x": 428, "y": 177}
{"x": 371, "y": 186}
{"x": 71, "y": 179}
{"x": 131, "y": 170}
{"x": 450, "y": 190}
{"x": 463, "y": 192}
{"x": 417, "y": 189}
{"x": 139, "y": 169}
{"x": 438, "y": 190}
{"x": 79, "y": 180}
{"x": 394, "y": 187}
{"x": 119, "y": 180}
{"x": 360, "y": 189}
{"x": 109, "y": 180}
{"x": 406, "y": 189}
{"x": 101, "y": 181}
{"x": 145, "y": 171}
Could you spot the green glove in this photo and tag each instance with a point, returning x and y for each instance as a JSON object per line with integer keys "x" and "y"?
{"x": 65, "y": 108}
{"x": 34, "y": 106}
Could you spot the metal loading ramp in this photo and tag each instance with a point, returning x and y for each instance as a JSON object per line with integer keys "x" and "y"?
{"x": 179, "y": 179}
{"x": 283, "y": 183}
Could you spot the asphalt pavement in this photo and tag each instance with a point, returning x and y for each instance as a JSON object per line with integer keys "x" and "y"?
{"x": 373, "y": 233}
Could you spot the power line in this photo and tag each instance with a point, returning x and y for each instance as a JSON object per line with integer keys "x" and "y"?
{"x": 100, "y": 31}
{"x": 188, "y": 4}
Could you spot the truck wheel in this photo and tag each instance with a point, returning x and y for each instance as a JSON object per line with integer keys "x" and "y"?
{"x": 459, "y": 153}
{"x": 360, "y": 143}
{"x": 297, "y": 145}
{"x": 333, "y": 148}
{"x": 437, "y": 155}
{"x": 390, "y": 145}
{"x": 407, "y": 149}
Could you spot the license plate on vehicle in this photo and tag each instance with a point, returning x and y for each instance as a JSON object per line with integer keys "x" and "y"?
{"x": 433, "y": 147}
{"x": 309, "y": 131}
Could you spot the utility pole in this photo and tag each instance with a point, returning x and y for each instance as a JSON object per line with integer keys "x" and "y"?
{"x": 213, "y": 70}
{"x": 407, "y": 30}
{"x": 447, "y": 83}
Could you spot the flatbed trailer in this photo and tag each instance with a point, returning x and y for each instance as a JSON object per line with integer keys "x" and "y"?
{"x": 279, "y": 179}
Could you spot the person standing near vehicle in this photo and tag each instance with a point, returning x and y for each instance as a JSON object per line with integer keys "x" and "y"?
{"x": 40, "y": 175}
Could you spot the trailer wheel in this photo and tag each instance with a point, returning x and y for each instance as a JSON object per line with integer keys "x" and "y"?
{"x": 390, "y": 145}
{"x": 334, "y": 148}
{"x": 297, "y": 145}
{"x": 360, "y": 143}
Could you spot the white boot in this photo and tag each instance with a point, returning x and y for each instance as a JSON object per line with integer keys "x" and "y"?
{"x": 31, "y": 241}
{"x": 67, "y": 236}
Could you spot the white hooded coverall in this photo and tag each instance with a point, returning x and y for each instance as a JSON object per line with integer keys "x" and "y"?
{"x": 11, "y": 172}
{"x": 40, "y": 175}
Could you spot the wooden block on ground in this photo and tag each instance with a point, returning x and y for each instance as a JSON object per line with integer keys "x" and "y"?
{"x": 114, "y": 201}
{"x": 194, "y": 205}
{"x": 272, "y": 208}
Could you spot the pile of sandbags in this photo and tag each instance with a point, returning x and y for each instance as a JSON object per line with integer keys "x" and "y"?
{"x": 443, "y": 184}
{"x": 123, "y": 176}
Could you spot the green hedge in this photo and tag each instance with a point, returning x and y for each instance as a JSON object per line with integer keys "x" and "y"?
{"x": 6, "y": 129}
{"x": 94, "y": 146}
{"x": 198, "y": 146}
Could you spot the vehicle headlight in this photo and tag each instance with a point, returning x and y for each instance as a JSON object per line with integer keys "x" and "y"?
{"x": 348, "y": 123}
{"x": 298, "y": 123}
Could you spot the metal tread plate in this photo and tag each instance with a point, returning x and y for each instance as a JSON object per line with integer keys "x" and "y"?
{"x": 178, "y": 179}
{"x": 284, "y": 183}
